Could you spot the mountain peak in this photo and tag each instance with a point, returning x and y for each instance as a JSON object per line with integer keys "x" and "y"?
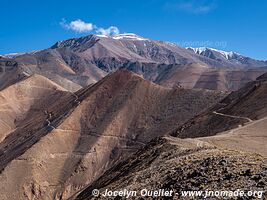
{"x": 76, "y": 42}
{"x": 91, "y": 39}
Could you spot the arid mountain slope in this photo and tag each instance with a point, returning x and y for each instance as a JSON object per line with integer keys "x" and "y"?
{"x": 237, "y": 109}
{"x": 201, "y": 76}
{"x": 248, "y": 138}
{"x": 10, "y": 73}
{"x": 17, "y": 100}
{"x": 78, "y": 136}
{"x": 54, "y": 65}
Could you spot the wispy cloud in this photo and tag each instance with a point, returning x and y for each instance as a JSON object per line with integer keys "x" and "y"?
{"x": 191, "y": 6}
{"x": 80, "y": 26}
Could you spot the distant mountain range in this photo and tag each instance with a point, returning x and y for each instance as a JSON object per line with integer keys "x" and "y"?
{"x": 78, "y": 62}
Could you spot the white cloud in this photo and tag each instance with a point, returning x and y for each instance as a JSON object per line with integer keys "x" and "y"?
{"x": 80, "y": 26}
{"x": 112, "y": 30}
{"x": 77, "y": 26}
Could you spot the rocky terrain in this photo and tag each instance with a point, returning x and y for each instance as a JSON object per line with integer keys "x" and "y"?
{"x": 182, "y": 165}
{"x": 66, "y": 140}
{"x": 10, "y": 73}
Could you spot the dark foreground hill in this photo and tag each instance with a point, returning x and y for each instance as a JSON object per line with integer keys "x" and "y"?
{"x": 182, "y": 165}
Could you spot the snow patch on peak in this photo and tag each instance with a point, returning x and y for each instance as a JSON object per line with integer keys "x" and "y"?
{"x": 128, "y": 36}
{"x": 171, "y": 44}
{"x": 227, "y": 55}
{"x": 103, "y": 36}
{"x": 197, "y": 50}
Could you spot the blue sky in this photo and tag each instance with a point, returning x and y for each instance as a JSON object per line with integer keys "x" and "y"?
{"x": 237, "y": 25}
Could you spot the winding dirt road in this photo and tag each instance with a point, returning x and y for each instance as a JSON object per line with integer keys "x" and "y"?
{"x": 232, "y": 116}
